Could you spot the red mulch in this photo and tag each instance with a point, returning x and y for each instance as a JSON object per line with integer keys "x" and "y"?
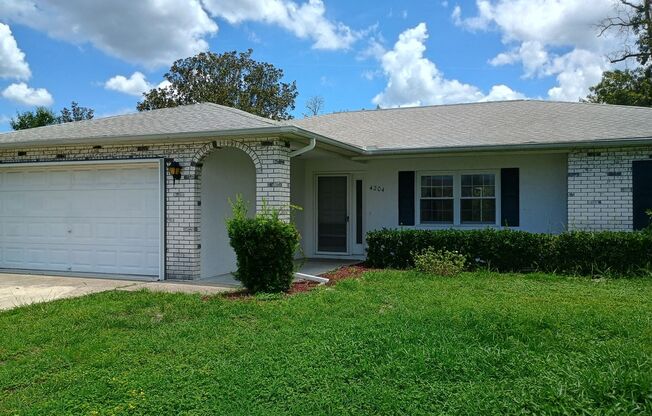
{"x": 346, "y": 272}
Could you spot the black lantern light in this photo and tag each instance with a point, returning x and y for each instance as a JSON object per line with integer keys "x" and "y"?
{"x": 175, "y": 170}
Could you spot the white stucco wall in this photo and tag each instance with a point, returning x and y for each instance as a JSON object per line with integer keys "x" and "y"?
{"x": 225, "y": 173}
{"x": 543, "y": 187}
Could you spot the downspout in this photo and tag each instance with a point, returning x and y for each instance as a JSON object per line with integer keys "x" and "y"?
{"x": 306, "y": 149}
{"x": 304, "y": 276}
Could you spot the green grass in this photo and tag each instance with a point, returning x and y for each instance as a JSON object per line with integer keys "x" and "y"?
{"x": 389, "y": 343}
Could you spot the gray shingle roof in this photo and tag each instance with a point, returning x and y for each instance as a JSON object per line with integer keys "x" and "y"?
{"x": 465, "y": 126}
{"x": 483, "y": 124}
{"x": 196, "y": 118}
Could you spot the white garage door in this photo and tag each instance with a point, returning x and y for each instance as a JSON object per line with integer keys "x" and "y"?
{"x": 81, "y": 218}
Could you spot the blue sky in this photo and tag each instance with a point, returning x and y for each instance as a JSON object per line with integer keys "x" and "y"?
{"x": 354, "y": 54}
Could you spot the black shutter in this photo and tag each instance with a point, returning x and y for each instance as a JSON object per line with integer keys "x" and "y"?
{"x": 642, "y": 192}
{"x": 406, "y": 198}
{"x": 509, "y": 199}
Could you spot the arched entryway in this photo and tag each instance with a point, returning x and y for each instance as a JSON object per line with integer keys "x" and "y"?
{"x": 225, "y": 173}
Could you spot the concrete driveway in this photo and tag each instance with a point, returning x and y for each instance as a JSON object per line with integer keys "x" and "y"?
{"x": 19, "y": 289}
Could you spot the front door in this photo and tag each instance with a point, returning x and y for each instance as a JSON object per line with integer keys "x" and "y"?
{"x": 332, "y": 214}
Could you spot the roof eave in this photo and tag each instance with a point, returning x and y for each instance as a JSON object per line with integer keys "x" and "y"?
{"x": 372, "y": 153}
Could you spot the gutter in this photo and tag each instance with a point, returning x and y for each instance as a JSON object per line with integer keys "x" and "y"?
{"x": 299, "y": 152}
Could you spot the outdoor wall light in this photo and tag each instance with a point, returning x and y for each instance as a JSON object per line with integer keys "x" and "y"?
{"x": 175, "y": 170}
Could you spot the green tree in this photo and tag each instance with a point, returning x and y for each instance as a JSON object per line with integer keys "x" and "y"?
{"x": 75, "y": 113}
{"x": 41, "y": 116}
{"x": 628, "y": 87}
{"x": 232, "y": 79}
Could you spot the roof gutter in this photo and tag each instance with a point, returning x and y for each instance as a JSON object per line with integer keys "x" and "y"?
{"x": 368, "y": 153}
{"x": 306, "y": 149}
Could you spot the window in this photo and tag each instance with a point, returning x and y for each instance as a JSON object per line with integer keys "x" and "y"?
{"x": 436, "y": 199}
{"x": 478, "y": 199}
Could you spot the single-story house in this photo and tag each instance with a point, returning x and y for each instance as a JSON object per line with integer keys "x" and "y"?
{"x": 147, "y": 194}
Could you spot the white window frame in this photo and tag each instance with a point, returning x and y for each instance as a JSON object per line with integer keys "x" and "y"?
{"x": 457, "y": 198}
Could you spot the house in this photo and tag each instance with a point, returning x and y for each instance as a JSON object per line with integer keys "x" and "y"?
{"x": 146, "y": 194}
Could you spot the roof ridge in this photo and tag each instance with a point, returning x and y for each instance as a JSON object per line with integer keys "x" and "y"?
{"x": 241, "y": 112}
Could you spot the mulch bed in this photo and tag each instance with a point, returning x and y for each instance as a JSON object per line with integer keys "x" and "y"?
{"x": 347, "y": 272}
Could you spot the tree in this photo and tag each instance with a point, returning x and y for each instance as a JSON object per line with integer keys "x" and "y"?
{"x": 628, "y": 87}
{"x": 634, "y": 24}
{"x": 232, "y": 79}
{"x": 314, "y": 105}
{"x": 43, "y": 116}
{"x": 76, "y": 113}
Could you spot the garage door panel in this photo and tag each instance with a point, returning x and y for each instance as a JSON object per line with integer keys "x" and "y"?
{"x": 102, "y": 219}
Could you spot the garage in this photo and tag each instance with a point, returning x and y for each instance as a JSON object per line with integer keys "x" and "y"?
{"x": 99, "y": 218}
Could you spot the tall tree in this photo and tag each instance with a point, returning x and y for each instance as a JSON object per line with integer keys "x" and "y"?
{"x": 232, "y": 79}
{"x": 628, "y": 87}
{"x": 634, "y": 23}
{"x": 76, "y": 113}
{"x": 314, "y": 105}
{"x": 43, "y": 116}
{"x": 40, "y": 117}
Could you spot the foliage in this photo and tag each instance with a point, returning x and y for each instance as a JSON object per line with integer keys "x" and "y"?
{"x": 40, "y": 117}
{"x": 439, "y": 262}
{"x": 229, "y": 79}
{"x": 391, "y": 343}
{"x": 75, "y": 113}
{"x": 43, "y": 116}
{"x": 634, "y": 24}
{"x": 264, "y": 246}
{"x": 582, "y": 253}
{"x": 628, "y": 87}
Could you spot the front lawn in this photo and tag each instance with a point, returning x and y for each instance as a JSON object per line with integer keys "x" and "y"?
{"x": 390, "y": 342}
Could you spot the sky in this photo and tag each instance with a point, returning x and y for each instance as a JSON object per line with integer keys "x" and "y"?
{"x": 355, "y": 54}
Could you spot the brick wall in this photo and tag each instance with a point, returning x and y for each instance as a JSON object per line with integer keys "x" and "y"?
{"x": 182, "y": 198}
{"x": 600, "y": 187}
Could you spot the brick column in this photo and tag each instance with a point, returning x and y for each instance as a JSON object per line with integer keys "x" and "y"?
{"x": 273, "y": 176}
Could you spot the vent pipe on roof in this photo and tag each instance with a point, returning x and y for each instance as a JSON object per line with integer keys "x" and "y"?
{"x": 311, "y": 146}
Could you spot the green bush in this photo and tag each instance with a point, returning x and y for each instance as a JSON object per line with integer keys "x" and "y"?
{"x": 582, "y": 253}
{"x": 264, "y": 246}
{"x": 439, "y": 263}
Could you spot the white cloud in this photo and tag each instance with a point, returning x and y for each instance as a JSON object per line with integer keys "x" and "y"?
{"x": 415, "y": 80}
{"x": 136, "y": 84}
{"x": 539, "y": 35}
{"x": 12, "y": 59}
{"x": 305, "y": 20}
{"x": 148, "y": 32}
{"x": 25, "y": 95}
{"x": 503, "y": 93}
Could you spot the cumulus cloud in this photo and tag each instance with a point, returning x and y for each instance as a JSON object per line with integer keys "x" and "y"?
{"x": 149, "y": 32}
{"x": 12, "y": 59}
{"x": 412, "y": 79}
{"x": 539, "y": 34}
{"x": 306, "y": 20}
{"x": 136, "y": 84}
{"x": 23, "y": 94}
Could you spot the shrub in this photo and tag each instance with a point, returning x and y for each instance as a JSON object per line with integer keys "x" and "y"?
{"x": 264, "y": 246}
{"x": 584, "y": 253}
{"x": 440, "y": 263}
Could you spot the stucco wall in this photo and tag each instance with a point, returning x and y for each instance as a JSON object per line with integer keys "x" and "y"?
{"x": 226, "y": 173}
{"x": 600, "y": 187}
{"x": 543, "y": 192}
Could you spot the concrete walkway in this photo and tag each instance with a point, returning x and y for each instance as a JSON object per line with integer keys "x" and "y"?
{"x": 21, "y": 289}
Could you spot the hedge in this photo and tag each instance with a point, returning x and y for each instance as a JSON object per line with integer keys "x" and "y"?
{"x": 576, "y": 252}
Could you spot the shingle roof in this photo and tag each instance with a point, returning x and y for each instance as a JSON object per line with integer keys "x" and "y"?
{"x": 483, "y": 124}
{"x": 195, "y": 118}
{"x": 461, "y": 126}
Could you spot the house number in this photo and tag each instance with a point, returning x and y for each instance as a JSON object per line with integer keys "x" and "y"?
{"x": 377, "y": 188}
